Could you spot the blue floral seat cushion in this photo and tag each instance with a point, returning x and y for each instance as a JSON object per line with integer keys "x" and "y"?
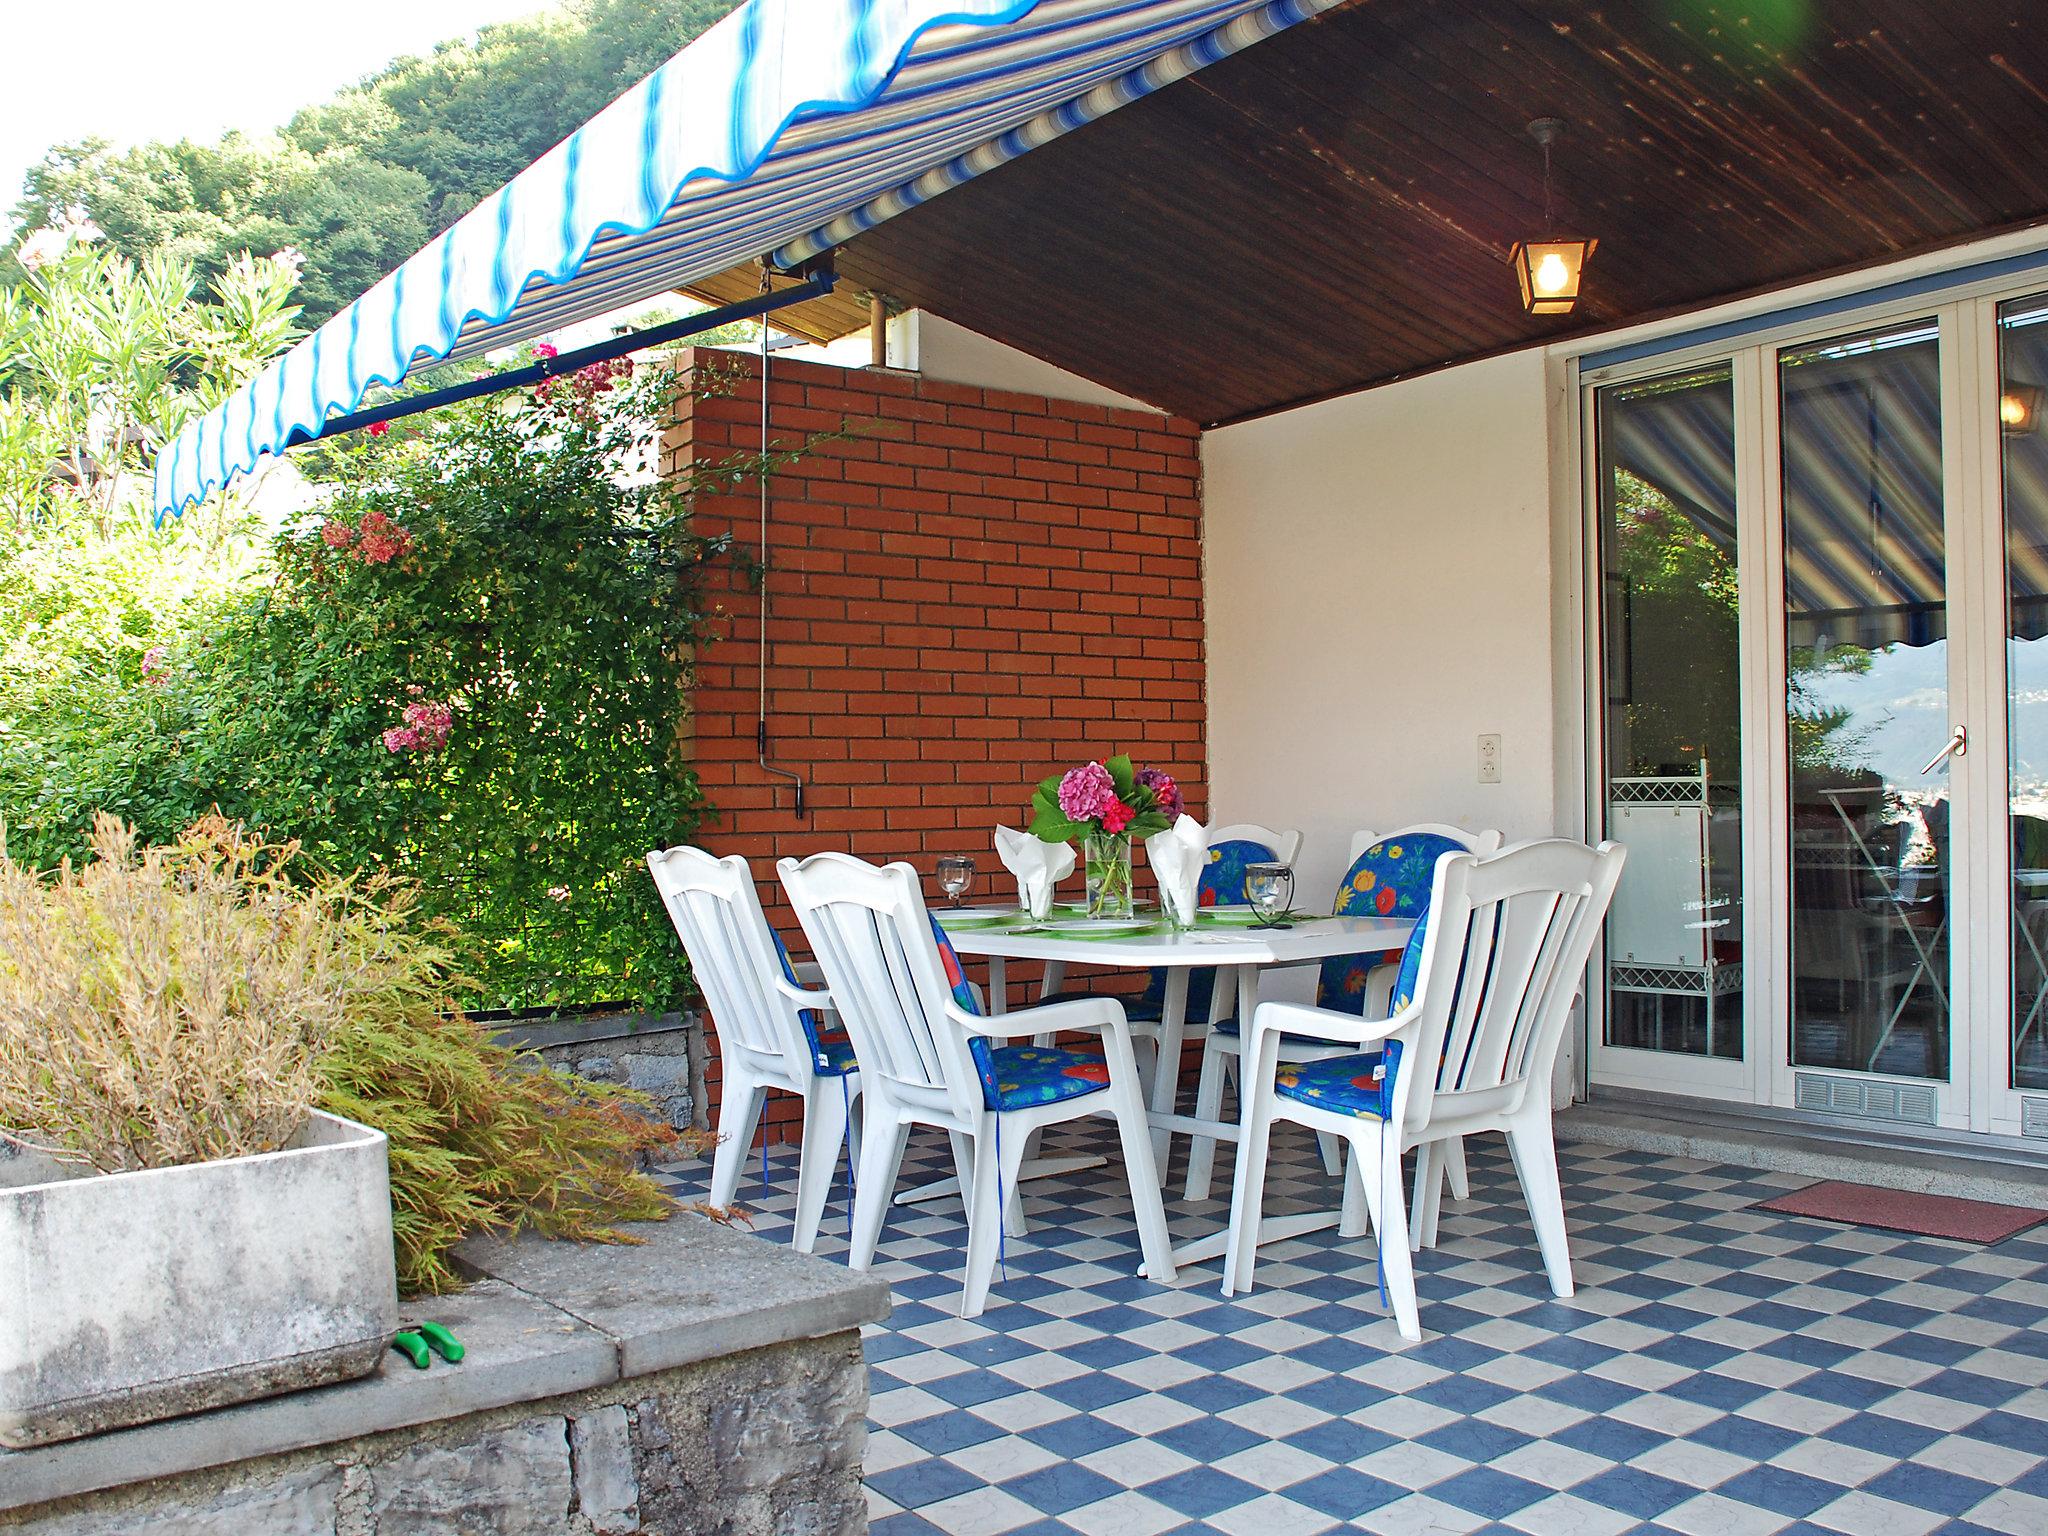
{"x": 1347, "y": 1085}
{"x": 1221, "y": 884}
{"x": 1027, "y": 1076}
{"x": 1020, "y": 1076}
{"x": 1392, "y": 878}
{"x": 831, "y": 1050}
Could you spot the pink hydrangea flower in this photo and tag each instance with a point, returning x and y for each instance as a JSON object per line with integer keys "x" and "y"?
{"x": 400, "y": 739}
{"x": 154, "y": 669}
{"x": 336, "y": 534}
{"x": 1087, "y": 793}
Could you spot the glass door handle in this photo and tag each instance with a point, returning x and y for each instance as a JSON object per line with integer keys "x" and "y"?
{"x": 1958, "y": 746}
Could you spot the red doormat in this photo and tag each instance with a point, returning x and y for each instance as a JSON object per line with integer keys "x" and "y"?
{"x": 1900, "y": 1210}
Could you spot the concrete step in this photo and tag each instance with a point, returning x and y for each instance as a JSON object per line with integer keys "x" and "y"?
{"x": 2000, "y": 1174}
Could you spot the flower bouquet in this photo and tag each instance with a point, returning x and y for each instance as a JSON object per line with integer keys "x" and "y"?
{"x": 1105, "y": 805}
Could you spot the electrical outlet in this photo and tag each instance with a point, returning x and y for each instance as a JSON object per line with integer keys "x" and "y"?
{"x": 1489, "y": 758}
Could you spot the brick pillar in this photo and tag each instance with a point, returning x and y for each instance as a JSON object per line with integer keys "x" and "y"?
{"x": 971, "y": 590}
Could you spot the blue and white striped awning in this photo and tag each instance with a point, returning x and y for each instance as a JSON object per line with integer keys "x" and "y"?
{"x": 789, "y": 127}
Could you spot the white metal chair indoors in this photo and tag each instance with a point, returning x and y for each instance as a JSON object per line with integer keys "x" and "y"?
{"x": 1485, "y": 988}
{"x": 772, "y": 1033}
{"x": 1390, "y": 874}
{"x": 930, "y": 1057}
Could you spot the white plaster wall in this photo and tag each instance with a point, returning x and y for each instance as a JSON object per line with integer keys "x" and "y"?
{"x": 960, "y": 356}
{"x": 1378, "y": 581}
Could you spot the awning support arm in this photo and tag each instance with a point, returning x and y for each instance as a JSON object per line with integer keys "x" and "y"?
{"x": 818, "y": 281}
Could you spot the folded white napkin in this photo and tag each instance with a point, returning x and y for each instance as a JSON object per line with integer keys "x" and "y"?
{"x": 1178, "y": 856}
{"x": 1037, "y": 864}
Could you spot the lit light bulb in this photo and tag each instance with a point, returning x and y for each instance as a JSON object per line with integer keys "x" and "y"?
{"x": 2012, "y": 410}
{"x": 1552, "y": 274}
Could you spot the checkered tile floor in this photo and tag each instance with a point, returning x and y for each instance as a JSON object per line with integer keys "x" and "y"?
{"x": 1721, "y": 1371}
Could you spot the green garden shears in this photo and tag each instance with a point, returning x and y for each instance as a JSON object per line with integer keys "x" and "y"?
{"x": 415, "y": 1340}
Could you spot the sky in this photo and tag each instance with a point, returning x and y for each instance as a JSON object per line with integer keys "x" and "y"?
{"x": 134, "y": 70}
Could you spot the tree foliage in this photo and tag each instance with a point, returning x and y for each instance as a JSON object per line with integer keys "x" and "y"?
{"x": 361, "y": 181}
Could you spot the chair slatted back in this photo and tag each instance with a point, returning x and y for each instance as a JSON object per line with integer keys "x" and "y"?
{"x": 1500, "y": 964}
{"x": 870, "y": 930}
{"x": 734, "y": 956}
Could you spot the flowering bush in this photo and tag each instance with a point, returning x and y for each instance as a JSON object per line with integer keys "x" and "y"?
{"x": 469, "y": 667}
{"x": 1109, "y": 797}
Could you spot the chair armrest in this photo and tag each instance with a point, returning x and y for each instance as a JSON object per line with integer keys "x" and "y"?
{"x": 809, "y": 974}
{"x": 1326, "y": 1024}
{"x": 804, "y": 997}
{"x": 1096, "y": 1013}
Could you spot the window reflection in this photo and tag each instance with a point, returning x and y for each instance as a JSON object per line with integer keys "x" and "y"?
{"x": 1866, "y": 651}
{"x": 2023, "y": 371}
{"x": 1674, "y": 732}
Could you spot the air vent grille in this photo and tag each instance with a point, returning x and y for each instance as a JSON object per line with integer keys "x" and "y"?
{"x": 2034, "y": 1117}
{"x": 1912, "y": 1103}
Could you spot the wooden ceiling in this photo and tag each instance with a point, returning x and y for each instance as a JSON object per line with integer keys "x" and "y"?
{"x": 1332, "y": 208}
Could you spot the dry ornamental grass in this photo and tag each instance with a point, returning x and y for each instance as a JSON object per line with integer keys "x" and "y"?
{"x": 169, "y": 1005}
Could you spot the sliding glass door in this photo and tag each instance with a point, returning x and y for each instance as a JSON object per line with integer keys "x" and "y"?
{"x": 1818, "y": 568}
{"x": 1867, "y": 702}
{"x": 1669, "y": 544}
{"x": 2023, "y": 465}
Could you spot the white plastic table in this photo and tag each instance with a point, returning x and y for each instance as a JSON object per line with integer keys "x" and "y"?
{"x": 1246, "y": 950}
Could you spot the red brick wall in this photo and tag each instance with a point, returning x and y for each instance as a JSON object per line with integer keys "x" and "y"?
{"x": 974, "y": 589}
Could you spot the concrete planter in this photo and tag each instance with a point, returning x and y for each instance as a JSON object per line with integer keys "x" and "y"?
{"x": 137, "y": 1296}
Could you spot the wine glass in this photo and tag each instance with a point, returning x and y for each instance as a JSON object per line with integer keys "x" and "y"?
{"x": 1270, "y": 890}
{"x": 956, "y": 874}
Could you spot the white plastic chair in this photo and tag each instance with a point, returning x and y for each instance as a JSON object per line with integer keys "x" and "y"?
{"x": 1485, "y": 989}
{"x": 1222, "y": 1047}
{"x": 772, "y": 1033}
{"x": 915, "y": 1029}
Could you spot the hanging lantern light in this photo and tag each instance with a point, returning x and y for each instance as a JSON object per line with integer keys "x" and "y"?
{"x": 1548, "y": 270}
{"x": 2019, "y": 408}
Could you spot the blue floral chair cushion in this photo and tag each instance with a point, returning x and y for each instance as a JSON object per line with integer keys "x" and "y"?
{"x": 831, "y": 1050}
{"x": 1026, "y": 1076}
{"x": 1392, "y": 878}
{"x": 1020, "y": 1076}
{"x": 1347, "y": 1085}
{"x": 1221, "y": 884}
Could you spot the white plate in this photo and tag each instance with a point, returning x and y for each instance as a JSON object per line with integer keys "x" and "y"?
{"x": 1098, "y": 925}
{"x": 975, "y": 914}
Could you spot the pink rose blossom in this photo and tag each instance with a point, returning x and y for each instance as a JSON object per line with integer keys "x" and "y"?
{"x": 427, "y": 727}
{"x": 1087, "y": 793}
{"x": 382, "y": 540}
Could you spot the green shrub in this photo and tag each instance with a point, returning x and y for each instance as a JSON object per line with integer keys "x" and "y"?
{"x": 481, "y": 1138}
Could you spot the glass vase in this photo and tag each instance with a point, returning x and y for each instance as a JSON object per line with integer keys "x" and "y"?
{"x": 1107, "y": 864}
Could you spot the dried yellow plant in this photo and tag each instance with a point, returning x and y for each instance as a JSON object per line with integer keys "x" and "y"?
{"x": 170, "y": 1004}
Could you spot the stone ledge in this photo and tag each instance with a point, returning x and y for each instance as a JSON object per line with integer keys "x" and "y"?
{"x": 543, "y": 1320}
